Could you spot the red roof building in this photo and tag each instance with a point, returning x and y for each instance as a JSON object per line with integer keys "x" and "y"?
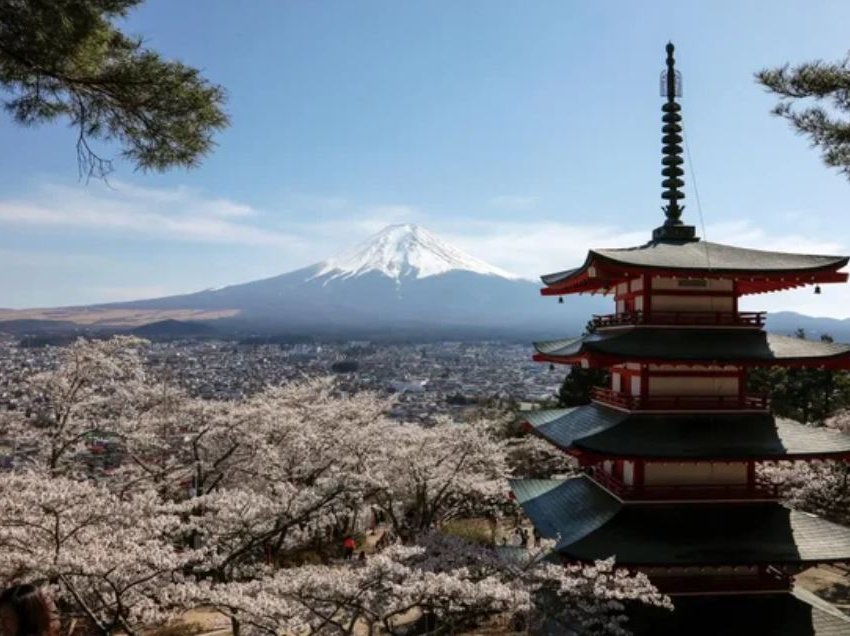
{"x": 670, "y": 448}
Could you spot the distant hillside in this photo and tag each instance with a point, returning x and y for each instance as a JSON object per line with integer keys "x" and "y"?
{"x": 173, "y": 329}
{"x": 787, "y": 322}
{"x": 403, "y": 284}
{"x": 33, "y": 325}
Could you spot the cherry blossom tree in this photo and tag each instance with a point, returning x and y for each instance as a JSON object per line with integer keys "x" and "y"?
{"x": 108, "y": 558}
{"x": 423, "y": 477}
{"x": 221, "y": 503}
{"x": 99, "y": 387}
{"x": 819, "y": 487}
{"x": 443, "y": 584}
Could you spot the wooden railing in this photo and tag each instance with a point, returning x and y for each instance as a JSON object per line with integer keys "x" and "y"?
{"x": 761, "y": 490}
{"x": 684, "y": 318}
{"x": 680, "y": 402}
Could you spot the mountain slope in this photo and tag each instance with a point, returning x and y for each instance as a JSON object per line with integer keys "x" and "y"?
{"x": 402, "y": 277}
{"x": 402, "y": 281}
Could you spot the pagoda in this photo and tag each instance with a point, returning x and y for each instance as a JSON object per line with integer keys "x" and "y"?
{"x": 669, "y": 450}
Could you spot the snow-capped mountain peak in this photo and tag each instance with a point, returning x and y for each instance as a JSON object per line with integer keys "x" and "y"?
{"x": 402, "y": 251}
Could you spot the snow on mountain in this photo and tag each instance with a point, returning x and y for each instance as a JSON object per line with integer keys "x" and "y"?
{"x": 403, "y": 282}
{"x": 405, "y": 251}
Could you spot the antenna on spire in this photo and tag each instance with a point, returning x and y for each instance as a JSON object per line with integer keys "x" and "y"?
{"x": 671, "y": 88}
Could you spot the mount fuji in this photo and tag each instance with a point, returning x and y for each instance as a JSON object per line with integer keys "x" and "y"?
{"x": 403, "y": 252}
{"x": 402, "y": 282}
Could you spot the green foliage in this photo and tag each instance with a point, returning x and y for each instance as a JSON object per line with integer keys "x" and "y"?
{"x": 473, "y": 530}
{"x": 578, "y": 384}
{"x": 815, "y": 99}
{"x": 807, "y": 395}
{"x": 66, "y": 59}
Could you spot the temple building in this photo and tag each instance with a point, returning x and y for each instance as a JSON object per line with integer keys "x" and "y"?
{"x": 670, "y": 449}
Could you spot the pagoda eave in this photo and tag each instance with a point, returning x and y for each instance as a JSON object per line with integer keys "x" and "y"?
{"x": 590, "y": 523}
{"x": 601, "y": 360}
{"x": 595, "y": 456}
{"x": 600, "y": 275}
{"x": 688, "y": 346}
{"x": 589, "y": 455}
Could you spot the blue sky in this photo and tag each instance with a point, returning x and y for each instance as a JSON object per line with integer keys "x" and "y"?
{"x": 523, "y": 131}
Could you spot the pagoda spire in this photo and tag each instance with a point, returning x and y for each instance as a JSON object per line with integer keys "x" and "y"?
{"x": 671, "y": 88}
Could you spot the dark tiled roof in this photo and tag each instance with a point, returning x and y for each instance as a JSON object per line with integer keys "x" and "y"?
{"x": 702, "y": 255}
{"x": 590, "y": 524}
{"x": 781, "y": 614}
{"x": 550, "y": 279}
{"x": 546, "y": 500}
{"x": 563, "y": 427}
{"x": 696, "y": 254}
{"x": 597, "y": 428}
{"x": 721, "y": 345}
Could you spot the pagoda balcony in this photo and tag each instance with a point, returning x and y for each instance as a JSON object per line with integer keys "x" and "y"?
{"x": 682, "y": 318}
{"x": 692, "y": 492}
{"x": 620, "y": 400}
{"x": 710, "y": 584}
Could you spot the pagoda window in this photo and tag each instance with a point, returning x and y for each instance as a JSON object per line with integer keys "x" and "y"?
{"x": 617, "y": 470}
{"x": 692, "y": 385}
{"x": 692, "y": 294}
{"x": 692, "y": 302}
{"x": 626, "y": 379}
{"x": 695, "y": 285}
{"x": 629, "y": 473}
{"x": 695, "y": 474}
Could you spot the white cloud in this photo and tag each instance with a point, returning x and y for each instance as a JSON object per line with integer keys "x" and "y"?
{"x": 178, "y": 214}
{"x": 534, "y": 248}
{"x": 744, "y": 234}
{"x": 181, "y": 214}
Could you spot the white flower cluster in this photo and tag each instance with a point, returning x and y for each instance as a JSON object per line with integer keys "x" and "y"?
{"x": 135, "y": 502}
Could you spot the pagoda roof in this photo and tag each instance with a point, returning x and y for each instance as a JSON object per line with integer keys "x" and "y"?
{"x": 783, "y": 614}
{"x": 670, "y": 345}
{"x": 605, "y": 267}
{"x": 598, "y": 429}
{"x": 589, "y": 524}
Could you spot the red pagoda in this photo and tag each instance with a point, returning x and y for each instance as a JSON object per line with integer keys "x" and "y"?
{"x": 670, "y": 448}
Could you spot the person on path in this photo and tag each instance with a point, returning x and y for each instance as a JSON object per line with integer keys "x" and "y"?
{"x": 26, "y": 611}
{"x": 516, "y": 540}
{"x": 348, "y": 545}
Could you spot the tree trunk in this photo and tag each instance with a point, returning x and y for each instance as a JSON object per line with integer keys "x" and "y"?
{"x": 234, "y": 626}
